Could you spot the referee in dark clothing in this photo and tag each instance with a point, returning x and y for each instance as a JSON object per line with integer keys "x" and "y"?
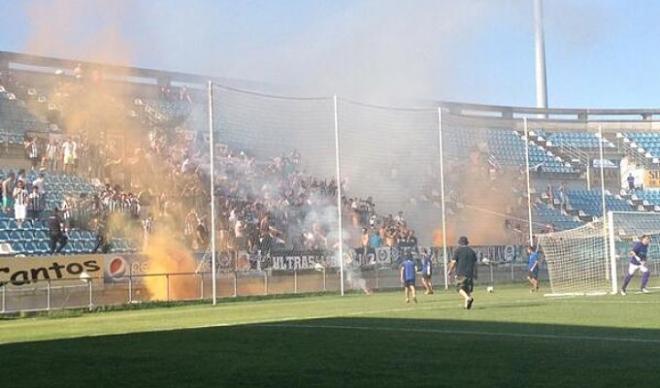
{"x": 56, "y": 232}
{"x": 464, "y": 263}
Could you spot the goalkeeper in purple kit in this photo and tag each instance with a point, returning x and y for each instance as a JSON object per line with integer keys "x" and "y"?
{"x": 638, "y": 259}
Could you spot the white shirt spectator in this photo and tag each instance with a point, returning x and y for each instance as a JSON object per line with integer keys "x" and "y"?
{"x": 20, "y": 196}
{"x": 33, "y": 151}
{"x": 66, "y": 209}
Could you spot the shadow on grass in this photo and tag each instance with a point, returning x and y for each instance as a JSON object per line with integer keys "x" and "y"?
{"x": 344, "y": 352}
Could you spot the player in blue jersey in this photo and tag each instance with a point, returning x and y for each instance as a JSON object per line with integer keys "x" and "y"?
{"x": 408, "y": 278}
{"x": 638, "y": 258}
{"x": 427, "y": 270}
{"x": 533, "y": 267}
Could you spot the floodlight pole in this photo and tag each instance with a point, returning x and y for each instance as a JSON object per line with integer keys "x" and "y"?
{"x": 442, "y": 199}
{"x": 529, "y": 189}
{"x": 212, "y": 183}
{"x": 539, "y": 51}
{"x": 340, "y": 227}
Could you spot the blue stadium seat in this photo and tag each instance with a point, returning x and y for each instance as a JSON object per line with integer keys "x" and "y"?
{"x": 15, "y": 235}
{"x": 88, "y": 246}
{"x": 18, "y": 247}
{"x": 77, "y": 247}
{"x": 27, "y": 235}
{"x": 42, "y": 247}
{"x": 30, "y": 248}
{"x": 74, "y": 235}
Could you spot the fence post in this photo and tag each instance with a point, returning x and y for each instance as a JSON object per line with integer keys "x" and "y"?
{"x": 492, "y": 278}
{"x": 167, "y": 282}
{"x": 513, "y": 278}
{"x": 130, "y": 286}
{"x": 235, "y": 284}
{"x": 201, "y": 286}
{"x": 324, "y": 281}
{"x": 4, "y": 298}
{"x": 295, "y": 281}
{"x": 91, "y": 300}
{"x": 265, "y": 283}
{"x": 48, "y": 296}
{"x": 446, "y": 279}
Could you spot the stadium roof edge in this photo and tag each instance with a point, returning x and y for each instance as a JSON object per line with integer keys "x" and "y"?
{"x": 540, "y": 116}
{"x": 53, "y": 62}
{"x": 548, "y": 111}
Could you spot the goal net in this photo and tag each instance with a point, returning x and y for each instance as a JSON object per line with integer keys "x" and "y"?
{"x": 591, "y": 258}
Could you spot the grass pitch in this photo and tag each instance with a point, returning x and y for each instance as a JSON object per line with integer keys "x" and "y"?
{"x": 510, "y": 339}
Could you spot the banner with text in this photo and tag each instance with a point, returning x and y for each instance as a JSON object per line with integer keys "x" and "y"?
{"x": 59, "y": 270}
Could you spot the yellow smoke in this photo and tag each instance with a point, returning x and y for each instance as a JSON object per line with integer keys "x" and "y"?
{"x": 167, "y": 256}
{"x": 99, "y": 107}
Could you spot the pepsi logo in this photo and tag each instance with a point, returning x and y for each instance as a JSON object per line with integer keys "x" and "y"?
{"x": 117, "y": 267}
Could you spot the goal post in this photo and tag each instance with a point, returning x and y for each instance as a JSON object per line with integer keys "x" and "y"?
{"x": 611, "y": 241}
{"x": 587, "y": 260}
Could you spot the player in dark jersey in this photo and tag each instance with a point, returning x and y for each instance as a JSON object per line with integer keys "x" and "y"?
{"x": 638, "y": 260}
{"x": 427, "y": 270}
{"x": 533, "y": 267}
{"x": 464, "y": 263}
{"x": 408, "y": 278}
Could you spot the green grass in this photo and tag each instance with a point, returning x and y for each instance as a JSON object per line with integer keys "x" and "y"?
{"x": 510, "y": 338}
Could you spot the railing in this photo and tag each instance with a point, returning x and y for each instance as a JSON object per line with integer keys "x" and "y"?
{"x": 74, "y": 293}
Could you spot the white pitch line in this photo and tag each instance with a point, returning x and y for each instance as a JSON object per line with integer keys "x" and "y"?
{"x": 464, "y": 332}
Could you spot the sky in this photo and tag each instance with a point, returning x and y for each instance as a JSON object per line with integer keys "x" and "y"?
{"x": 600, "y": 53}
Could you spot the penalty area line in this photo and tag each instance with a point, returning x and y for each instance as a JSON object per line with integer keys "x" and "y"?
{"x": 463, "y": 332}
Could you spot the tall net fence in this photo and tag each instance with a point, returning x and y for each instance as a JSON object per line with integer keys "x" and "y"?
{"x": 392, "y": 157}
{"x": 281, "y": 156}
{"x": 485, "y": 184}
{"x": 268, "y": 126}
{"x": 285, "y": 223}
{"x": 276, "y": 187}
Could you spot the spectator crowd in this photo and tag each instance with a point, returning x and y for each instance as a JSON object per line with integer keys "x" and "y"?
{"x": 159, "y": 179}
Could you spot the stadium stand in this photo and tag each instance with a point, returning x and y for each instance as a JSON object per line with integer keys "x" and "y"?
{"x": 648, "y": 200}
{"x": 548, "y": 218}
{"x": 508, "y": 148}
{"x": 645, "y": 143}
{"x": 572, "y": 140}
{"x": 588, "y": 203}
{"x": 167, "y": 124}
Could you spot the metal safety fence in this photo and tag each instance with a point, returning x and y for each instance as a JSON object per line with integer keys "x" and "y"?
{"x": 133, "y": 290}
